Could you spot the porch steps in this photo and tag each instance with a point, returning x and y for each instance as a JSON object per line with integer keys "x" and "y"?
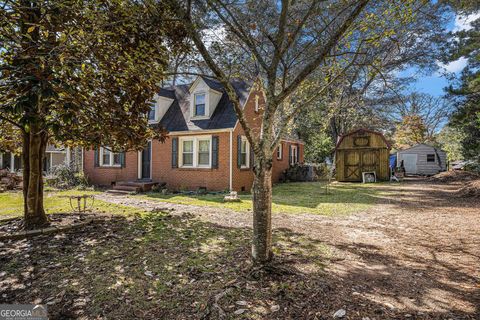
{"x": 127, "y": 188}
{"x": 134, "y": 186}
{"x": 119, "y": 192}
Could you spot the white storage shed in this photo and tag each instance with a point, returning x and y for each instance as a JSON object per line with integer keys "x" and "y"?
{"x": 422, "y": 159}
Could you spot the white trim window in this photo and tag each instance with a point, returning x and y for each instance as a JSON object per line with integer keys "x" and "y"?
{"x": 204, "y": 152}
{"x": 294, "y": 154}
{"x": 245, "y": 153}
{"x": 199, "y": 107}
{"x": 279, "y": 151}
{"x": 187, "y": 152}
{"x": 109, "y": 158}
{"x": 152, "y": 113}
{"x": 196, "y": 152}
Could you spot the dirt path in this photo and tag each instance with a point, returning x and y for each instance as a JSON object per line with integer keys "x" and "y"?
{"x": 416, "y": 252}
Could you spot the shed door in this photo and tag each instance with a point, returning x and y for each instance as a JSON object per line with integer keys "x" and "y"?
{"x": 358, "y": 161}
{"x": 352, "y": 166}
{"x": 370, "y": 161}
{"x": 409, "y": 161}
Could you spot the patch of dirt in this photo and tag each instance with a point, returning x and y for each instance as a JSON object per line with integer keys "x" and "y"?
{"x": 9, "y": 226}
{"x": 454, "y": 176}
{"x": 470, "y": 190}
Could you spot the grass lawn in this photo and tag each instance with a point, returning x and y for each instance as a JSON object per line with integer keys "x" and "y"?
{"x": 11, "y": 203}
{"x": 298, "y": 197}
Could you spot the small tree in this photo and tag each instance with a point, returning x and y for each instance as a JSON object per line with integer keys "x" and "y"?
{"x": 450, "y": 139}
{"x": 80, "y": 72}
{"x": 410, "y": 131}
{"x": 297, "y": 49}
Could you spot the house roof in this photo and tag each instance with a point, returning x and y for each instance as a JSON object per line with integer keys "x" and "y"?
{"x": 419, "y": 145}
{"x": 178, "y": 117}
{"x": 362, "y": 130}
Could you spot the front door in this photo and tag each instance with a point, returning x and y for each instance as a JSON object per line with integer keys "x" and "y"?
{"x": 146, "y": 161}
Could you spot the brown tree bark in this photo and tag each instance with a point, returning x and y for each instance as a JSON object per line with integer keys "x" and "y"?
{"x": 35, "y": 143}
{"x": 262, "y": 213}
{"x": 26, "y": 167}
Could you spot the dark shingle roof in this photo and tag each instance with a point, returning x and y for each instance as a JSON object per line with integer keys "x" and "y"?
{"x": 177, "y": 117}
{"x": 213, "y": 84}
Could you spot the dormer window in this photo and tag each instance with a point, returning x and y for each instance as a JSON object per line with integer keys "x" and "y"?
{"x": 199, "y": 105}
{"x": 203, "y": 99}
{"x": 158, "y": 108}
{"x": 151, "y": 112}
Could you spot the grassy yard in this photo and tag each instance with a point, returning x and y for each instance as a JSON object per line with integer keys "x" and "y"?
{"x": 11, "y": 203}
{"x": 300, "y": 197}
{"x": 292, "y": 198}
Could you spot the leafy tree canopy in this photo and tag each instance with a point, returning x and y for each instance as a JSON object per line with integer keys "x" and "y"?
{"x": 81, "y": 73}
{"x": 465, "y": 91}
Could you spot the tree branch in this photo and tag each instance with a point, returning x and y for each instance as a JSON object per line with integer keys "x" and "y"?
{"x": 323, "y": 52}
{"x": 217, "y": 71}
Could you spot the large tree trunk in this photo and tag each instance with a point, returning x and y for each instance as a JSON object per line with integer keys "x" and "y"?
{"x": 26, "y": 167}
{"x": 35, "y": 143}
{"x": 262, "y": 213}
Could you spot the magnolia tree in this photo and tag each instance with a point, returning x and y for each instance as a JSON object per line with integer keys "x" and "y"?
{"x": 297, "y": 50}
{"x": 78, "y": 72}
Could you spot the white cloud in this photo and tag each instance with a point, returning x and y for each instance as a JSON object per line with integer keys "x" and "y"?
{"x": 464, "y": 22}
{"x": 454, "y": 66}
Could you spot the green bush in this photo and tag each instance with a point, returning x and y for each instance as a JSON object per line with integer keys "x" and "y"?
{"x": 65, "y": 177}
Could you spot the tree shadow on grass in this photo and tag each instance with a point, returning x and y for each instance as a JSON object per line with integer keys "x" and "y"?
{"x": 161, "y": 266}
{"x": 310, "y": 197}
{"x": 299, "y": 194}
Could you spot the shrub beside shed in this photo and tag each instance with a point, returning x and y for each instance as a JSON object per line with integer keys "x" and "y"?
{"x": 360, "y": 151}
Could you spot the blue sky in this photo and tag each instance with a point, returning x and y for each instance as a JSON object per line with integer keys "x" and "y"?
{"x": 436, "y": 82}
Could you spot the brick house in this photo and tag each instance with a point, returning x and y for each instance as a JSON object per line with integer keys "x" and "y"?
{"x": 205, "y": 145}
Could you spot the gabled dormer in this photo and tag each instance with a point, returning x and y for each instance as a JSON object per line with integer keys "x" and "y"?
{"x": 204, "y": 97}
{"x": 160, "y": 104}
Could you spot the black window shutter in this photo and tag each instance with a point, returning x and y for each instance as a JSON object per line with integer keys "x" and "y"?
{"x": 289, "y": 154}
{"x": 96, "y": 161}
{"x": 239, "y": 151}
{"x": 215, "y": 152}
{"x": 122, "y": 159}
{"x": 174, "y": 152}
{"x": 298, "y": 153}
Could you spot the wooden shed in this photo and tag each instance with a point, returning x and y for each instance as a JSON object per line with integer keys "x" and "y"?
{"x": 360, "y": 151}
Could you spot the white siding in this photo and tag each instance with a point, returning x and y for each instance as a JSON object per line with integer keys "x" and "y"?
{"x": 424, "y": 167}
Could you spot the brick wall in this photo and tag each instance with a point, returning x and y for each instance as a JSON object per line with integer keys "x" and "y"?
{"x": 243, "y": 178}
{"x": 193, "y": 178}
{"x": 105, "y": 176}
